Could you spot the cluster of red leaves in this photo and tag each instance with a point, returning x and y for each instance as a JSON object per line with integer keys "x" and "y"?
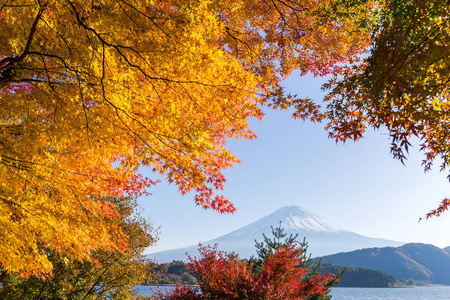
{"x": 438, "y": 211}
{"x": 225, "y": 276}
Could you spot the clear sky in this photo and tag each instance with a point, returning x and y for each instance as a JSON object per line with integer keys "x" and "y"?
{"x": 355, "y": 186}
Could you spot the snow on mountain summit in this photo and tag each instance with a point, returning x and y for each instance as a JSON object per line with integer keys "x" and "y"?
{"x": 293, "y": 219}
{"x": 296, "y": 218}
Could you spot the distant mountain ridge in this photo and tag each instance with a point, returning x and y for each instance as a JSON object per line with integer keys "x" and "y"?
{"x": 322, "y": 237}
{"x": 420, "y": 262}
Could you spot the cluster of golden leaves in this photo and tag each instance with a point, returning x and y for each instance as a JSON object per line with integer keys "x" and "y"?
{"x": 110, "y": 275}
{"x": 93, "y": 90}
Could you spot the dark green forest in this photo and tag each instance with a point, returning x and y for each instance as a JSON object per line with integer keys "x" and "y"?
{"x": 359, "y": 277}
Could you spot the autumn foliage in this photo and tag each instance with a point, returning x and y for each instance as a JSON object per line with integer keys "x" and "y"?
{"x": 112, "y": 275}
{"x": 284, "y": 273}
{"x": 92, "y": 91}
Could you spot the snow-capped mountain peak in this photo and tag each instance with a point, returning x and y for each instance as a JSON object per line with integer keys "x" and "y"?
{"x": 296, "y": 218}
{"x": 322, "y": 237}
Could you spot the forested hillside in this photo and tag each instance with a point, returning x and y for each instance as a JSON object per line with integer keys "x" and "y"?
{"x": 419, "y": 262}
{"x": 359, "y": 277}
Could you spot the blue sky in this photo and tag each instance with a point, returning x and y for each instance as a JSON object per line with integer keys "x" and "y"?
{"x": 355, "y": 186}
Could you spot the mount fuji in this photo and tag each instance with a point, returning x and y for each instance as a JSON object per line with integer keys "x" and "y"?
{"x": 322, "y": 237}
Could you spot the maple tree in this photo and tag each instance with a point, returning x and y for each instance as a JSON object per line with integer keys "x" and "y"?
{"x": 91, "y": 91}
{"x": 284, "y": 272}
{"x": 402, "y": 85}
{"x": 112, "y": 275}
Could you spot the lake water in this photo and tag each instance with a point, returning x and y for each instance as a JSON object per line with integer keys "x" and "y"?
{"x": 415, "y": 293}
